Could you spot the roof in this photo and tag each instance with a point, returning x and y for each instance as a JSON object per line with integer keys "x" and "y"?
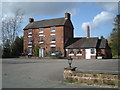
{"x": 92, "y": 42}
{"x": 82, "y": 42}
{"x": 46, "y": 23}
{"x": 102, "y": 43}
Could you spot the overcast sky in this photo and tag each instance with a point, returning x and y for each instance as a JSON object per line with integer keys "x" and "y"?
{"x": 99, "y": 15}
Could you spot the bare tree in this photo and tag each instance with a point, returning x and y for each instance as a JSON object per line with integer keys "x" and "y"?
{"x": 11, "y": 26}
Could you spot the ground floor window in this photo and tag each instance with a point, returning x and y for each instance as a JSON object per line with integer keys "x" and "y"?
{"x": 79, "y": 51}
{"x": 53, "y": 49}
{"x": 29, "y": 50}
{"x": 92, "y": 51}
{"x": 70, "y": 51}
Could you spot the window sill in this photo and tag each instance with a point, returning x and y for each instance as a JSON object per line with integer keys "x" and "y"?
{"x": 29, "y": 42}
{"x": 71, "y": 54}
{"x": 53, "y": 42}
{"x": 40, "y": 32}
{"x": 78, "y": 54}
{"x": 29, "y": 53}
{"x": 30, "y": 33}
{"x": 41, "y": 42}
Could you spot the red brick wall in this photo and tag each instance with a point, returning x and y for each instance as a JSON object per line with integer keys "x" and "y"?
{"x": 25, "y": 44}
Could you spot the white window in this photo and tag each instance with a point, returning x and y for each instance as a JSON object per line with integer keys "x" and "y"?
{"x": 71, "y": 52}
{"x": 52, "y": 29}
{"x": 41, "y": 39}
{"x": 29, "y": 39}
{"x": 92, "y": 51}
{"x": 53, "y": 38}
{"x": 79, "y": 52}
{"x": 53, "y": 49}
{"x": 29, "y": 50}
{"x": 29, "y": 31}
{"x": 41, "y": 30}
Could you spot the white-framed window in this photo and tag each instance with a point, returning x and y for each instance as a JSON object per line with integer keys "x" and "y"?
{"x": 29, "y": 31}
{"x": 79, "y": 52}
{"x": 52, "y": 29}
{"x": 92, "y": 51}
{"x": 53, "y": 49}
{"x": 71, "y": 52}
{"x": 29, "y": 50}
{"x": 52, "y": 38}
{"x": 41, "y": 30}
{"x": 30, "y": 39}
{"x": 41, "y": 39}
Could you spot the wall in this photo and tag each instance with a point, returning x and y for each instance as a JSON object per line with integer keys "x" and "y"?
{"x": 88, "y": 78}
{"x": 35, "y": 34}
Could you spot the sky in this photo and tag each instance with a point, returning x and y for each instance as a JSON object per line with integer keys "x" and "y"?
{"x": 98, "y": 15}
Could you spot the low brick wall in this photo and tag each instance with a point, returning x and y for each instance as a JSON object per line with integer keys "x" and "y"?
{"x": 100, "y": 79}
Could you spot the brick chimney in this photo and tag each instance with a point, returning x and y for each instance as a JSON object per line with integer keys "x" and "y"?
{"x": 88, "y": 31}
{"x": 67, "y": 15}
{"x": 31, "y": 20}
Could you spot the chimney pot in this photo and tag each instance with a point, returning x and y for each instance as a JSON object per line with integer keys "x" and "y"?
{"x": 31, "y": 20}
{"x": 88, "y": 31}
{"x": 67, "y": 15}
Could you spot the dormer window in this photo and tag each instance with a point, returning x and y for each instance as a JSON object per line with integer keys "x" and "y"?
{"x": 41, "y": 30}
{"x": 52, "y": 29}
{"x": 29, "y": 31}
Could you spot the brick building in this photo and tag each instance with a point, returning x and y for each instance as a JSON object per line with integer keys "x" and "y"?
{"x": 56, "y": 35}
{"x": 50, "y": 35}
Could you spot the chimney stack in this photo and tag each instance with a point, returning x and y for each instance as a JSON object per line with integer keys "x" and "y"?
{"x": 31, "y": 20}
{"x": 67, "y": 15}
{"x": 88, "y": 31}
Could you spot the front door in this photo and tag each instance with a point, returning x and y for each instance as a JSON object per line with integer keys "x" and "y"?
{"x": 41, "y": 52}
{"x": 88, "y": 54}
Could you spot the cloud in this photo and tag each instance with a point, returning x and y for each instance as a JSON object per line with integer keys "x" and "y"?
{"x": 36, "y": 9}
{"x": 109, "y": 6}
{"x": 99, "y": 20}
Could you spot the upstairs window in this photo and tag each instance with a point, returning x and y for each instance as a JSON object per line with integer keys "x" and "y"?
{"x": 29, "y": 31}
{"x": 52, "y": 29}
{"x": 29, "y": 39}
{"x": 41, "y": 30}
{"x": 41, "y": 39}
{"x": 92, "y": 51}
{"x": 53, "y": 38}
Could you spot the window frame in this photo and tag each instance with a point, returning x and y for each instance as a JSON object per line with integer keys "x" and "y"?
{"x": 52, "y": 29}
{"x": 29, "y": 31}
{"x": 41, "y": 30}
{"x": 79, "y": 50}
{"x": 29, "y": 50}
{"x": 41, "y": 40}
{"x": 92, "y": 51}
{"x": 51, "y": 39}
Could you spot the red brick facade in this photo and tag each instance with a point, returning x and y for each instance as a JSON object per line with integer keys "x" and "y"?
{"x": 62, "y": 33}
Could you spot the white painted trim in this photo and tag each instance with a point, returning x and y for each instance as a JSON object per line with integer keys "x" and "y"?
{"x": 52, "y": 45}
{"x": 71, "y": 54}
{"x": 29, "y": 42}
{"x": 29, "y": 36}
{"x": 29, "y": 46}
{"x": 41, "y": 35}
{"x": 52, "y": 34}
{"x": 41, "y": 31}
{"x": 53, "y": 30}
{"x": 41, "y": 42}
{"x": 29, "y": 53}
{"x": 53, "y": 42}
{"x": 78, "y": 54}
{"x": 29, "y": 32}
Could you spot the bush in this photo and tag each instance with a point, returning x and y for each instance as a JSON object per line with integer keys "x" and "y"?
{"x": 36, "y": 53}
